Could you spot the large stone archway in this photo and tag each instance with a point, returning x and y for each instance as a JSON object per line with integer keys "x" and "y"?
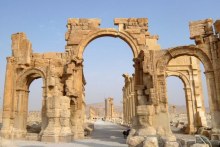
{"x": 64, "y": 80}
{"x": 205, "y": 58}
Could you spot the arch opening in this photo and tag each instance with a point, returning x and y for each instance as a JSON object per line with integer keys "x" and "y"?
{"x": 29, "y": 118}
{"x": 191, "y": 75}
{"x": 35, "y": 99}
{"x": 179, "y": 117}
{"x": 106, "y": 59}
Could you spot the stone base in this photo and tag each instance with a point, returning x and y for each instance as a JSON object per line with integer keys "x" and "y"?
{"x": 32, "y": 137}
{"x": 18, "y": 134}
{"x": 78, "y": 135}
{"x": 190, "y": 130}
{"x": 65, "y": 138}
{"x": 151, "y": 142}
{"x": 5, "y": 134}
{"x": 48, "y": 138}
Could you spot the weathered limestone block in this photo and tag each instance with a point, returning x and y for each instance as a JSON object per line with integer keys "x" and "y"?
{"x": 83, "y": 24}
{"x": 58, "y": 113}
{"x": 51, "y": 76}
{"x": 200, "y": 28}
{"x": 65, "y": 117}
{"x": 78, "y": 29}
{"x": 136, "y": 141}
{"x": 145, "y": 110}
{"x": 171, "y": 144}
{"x": 145, "y": 128}
{"x": 132, "y": 23}
{"x": 21, "y": 48}
{"x": 217, "y": 26}
{"x": 150, "y": 142}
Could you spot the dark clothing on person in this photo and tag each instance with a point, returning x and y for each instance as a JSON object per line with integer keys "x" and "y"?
{"x": 126, "y": 133}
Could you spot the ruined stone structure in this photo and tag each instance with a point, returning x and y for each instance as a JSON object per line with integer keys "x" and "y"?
{"x": 187, "y": 68}
{"x": 109, "y": 108}
{"x": 173, "y": 109}
{"x": 63, "y": 80}
{"x": 92, "y": 113}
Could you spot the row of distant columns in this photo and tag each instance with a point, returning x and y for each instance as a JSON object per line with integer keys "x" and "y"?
{"x": 109, "y": 108}
{"x": 129, "y": 106}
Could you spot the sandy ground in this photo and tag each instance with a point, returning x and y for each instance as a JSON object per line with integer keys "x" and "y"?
{"x": 106, "y": 134}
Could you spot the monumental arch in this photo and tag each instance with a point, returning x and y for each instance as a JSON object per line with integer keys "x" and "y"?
{"x": 187, "y": 69}
{"x": 63, "y": 103}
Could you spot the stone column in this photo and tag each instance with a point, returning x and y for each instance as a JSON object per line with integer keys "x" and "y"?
{"x": 134, "y": 104}
{"x": 213, "y": 102}
{"x": 78, "y": 81}
{"x": 19, "y": 129}
{"x": 8, "y": 96}
{"x": 190, "y": 105}
{"x": 126, "y": 112}
{"x": 44, "y": 120}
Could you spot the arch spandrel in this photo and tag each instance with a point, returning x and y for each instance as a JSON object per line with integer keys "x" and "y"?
{"x": 108, "y": 33}
{"x": 181, "y": 51}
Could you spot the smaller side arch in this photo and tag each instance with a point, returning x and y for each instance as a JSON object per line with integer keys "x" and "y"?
{"x": 190, "y": 103}
{"x": 172, "y": 53}
{"x": 28, "y": 76}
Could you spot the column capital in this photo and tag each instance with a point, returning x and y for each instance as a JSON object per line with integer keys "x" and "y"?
{"x": 19, "y": 89}
{"x": 209, "y": 72}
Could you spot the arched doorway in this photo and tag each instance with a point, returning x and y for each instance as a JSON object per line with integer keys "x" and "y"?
{"x": 105, "y": 60}
{"x": 35, "y": 98}
{"x": 21, "y": 101}
{"x": 204, "y": 58}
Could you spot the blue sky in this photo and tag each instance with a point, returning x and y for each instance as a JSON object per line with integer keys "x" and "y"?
{"x": 44, "y": 22}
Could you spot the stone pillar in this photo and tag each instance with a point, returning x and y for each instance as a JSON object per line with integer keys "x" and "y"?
{"x": 19, "y": 129}
{"x": 8, "y": 96}
{"x": 58, "y": 113}
{"x": 190, "y": 105}
{"x": 134, "y": 103}
{"x": 173, "y": 109}
{"x": 65, "y": 132}
{"x": 79, "y": 88}
{"x": 213, "y": 103}
{"x": 52, "y": 131}
{"x": 106, "y": 109}
{"x": 44, "y": 119}
{"x": 126, "y": 111}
